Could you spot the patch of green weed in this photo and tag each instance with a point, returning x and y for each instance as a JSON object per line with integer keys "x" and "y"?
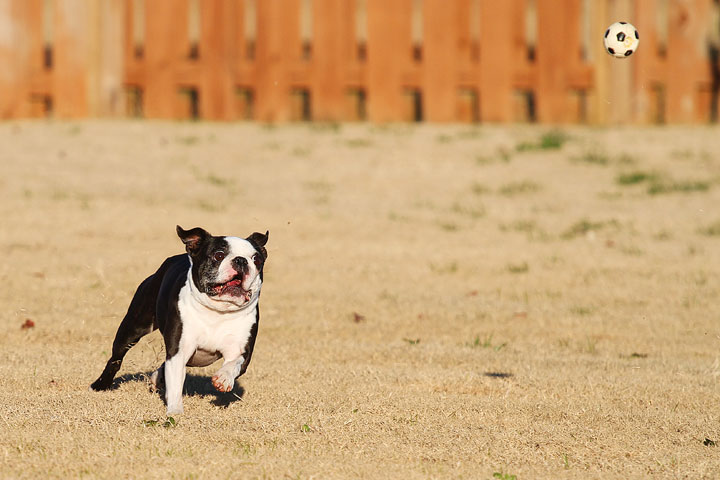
{"x": 712, "y": 230}
{"x": 448, "y": 268}
{"x": 593, "y": 157}
{"x": 518, "y": 267}
{"x": 188, "y": 140}
{"x": 585, "y": 226}
{"x": 217, "y": 181}
{"x": 664, "y": 235}
{"x": 632, "y": 250}
{"x": 332, "y": 127}
{"x": 581, "y": 311}
{"x": 633, "y": 178}
{"x": 170, "y": 422}
{"x": 485, "y": 342}
{"x": 358, "y": 142}
{"x": 504, "y": 476}
{"x": 396, "y": 217}
{"x": 590, "y": 345}
{"x": 517, "y": 188}
{"x": 626, "y": 159}
{"x": 449, "y": 226}
{"x": 301, "y": 152}
{"x": 318, "y": 186}
{"x": 524, "y": 226}
{"x": 552, "y": 140}
{"x": 660, "y": 187}
{"x": 470, "y": 133}
{"x": 472, "y": 212}
{"x": 479, "y": 189}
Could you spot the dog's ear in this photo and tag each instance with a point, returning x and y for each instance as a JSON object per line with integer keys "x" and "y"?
{"x": 258, "y": 241}
{"x": 193, "y": 238}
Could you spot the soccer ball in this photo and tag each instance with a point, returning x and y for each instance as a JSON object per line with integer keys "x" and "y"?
{"x": 621, "y": 39}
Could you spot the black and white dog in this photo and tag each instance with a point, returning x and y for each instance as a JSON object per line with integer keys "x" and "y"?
{"x": 205, "y": 304}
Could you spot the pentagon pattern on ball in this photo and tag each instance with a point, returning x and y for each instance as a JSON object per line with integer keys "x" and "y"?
{"x": 621, "y": 40}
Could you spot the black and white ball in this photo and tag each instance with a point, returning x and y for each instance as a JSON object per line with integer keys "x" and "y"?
{"x": 621, "y": 39}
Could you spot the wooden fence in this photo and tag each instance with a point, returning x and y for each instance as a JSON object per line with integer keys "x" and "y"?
{"x": 355, "y": 60}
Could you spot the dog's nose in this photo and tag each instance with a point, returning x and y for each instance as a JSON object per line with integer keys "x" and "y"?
{"x": 240, "y": 264}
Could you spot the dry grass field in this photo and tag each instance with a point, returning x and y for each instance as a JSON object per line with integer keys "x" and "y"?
{"x": 439, "y": 302}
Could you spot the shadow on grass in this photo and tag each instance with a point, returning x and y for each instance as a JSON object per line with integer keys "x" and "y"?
{"x": 195, "y": 385}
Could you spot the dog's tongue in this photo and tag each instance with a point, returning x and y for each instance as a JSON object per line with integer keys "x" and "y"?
{"x": 233, "y": 287}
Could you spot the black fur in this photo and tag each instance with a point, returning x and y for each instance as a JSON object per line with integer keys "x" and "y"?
{"x": 153, "y": 306}
{"x": 250, "y": 345}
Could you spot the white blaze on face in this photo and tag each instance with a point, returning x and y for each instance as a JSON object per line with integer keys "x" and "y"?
{"x": 239, "y": 247}
{"x": 229, "y": 293}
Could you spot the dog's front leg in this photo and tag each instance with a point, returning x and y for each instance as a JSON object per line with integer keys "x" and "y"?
{"x": 224, "y": 379}
{"x": 174, "y": 381}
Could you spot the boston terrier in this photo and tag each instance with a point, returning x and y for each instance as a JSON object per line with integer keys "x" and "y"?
{"x": 205, "y": 304}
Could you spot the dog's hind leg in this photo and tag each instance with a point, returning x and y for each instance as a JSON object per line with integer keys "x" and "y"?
{"x": 138, "y": 322}
{"x": 157, "y": 378}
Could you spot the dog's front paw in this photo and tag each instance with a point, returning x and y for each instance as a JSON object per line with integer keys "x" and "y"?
{"x": 223, "y": 382}
{"x": 174, "y": 409}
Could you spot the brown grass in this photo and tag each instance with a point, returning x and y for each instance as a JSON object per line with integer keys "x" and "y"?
{"x": 411, "y": 327}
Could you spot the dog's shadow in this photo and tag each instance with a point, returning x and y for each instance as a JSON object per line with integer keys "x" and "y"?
{"x": 195, "y": 385}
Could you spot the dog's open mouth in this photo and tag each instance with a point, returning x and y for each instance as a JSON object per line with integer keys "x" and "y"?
{"x": 233, "y": 287}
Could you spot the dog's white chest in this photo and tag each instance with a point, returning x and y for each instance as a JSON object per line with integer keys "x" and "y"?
{"x": 210, "y": 334}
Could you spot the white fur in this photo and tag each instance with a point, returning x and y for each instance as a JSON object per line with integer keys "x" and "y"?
{"x": 213, "y": 324}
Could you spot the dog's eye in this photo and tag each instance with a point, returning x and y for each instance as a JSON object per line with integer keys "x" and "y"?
{"x": 218, "y": 256}
{"x": 257, "y": 260}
